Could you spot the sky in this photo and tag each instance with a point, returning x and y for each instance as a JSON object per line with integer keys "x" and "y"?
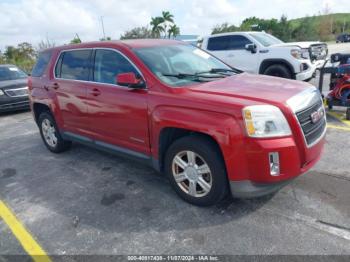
{"x": 59, "y": 20}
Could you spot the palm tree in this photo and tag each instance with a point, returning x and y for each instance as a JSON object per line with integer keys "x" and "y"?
{"x": 174, "y": 31}
{"x": 157, "y": 28}
{"x": 167, "y": 18}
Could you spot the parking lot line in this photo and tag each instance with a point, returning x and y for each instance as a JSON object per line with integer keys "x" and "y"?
{"x": 340, "y": 117}
{"x": 23, "y": 236}
{"x": 339, "y": 127}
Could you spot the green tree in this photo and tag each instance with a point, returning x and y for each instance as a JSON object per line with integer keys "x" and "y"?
{"x": 168, "y": 20}
{"x": 76, "y": 40}
{"x": 224, "y": 28}
{"x": 157, "y": 27}
{"x": 23, "y": 56}
{"x": 173, "y": 31}
{"x": 137, "y": 33}
{"x": 108, "y": 38}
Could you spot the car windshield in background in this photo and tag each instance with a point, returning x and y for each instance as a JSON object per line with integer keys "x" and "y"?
{"x": 11, "y": 73}
{"x": 266, "y": 39}
{"x": 180, "y": 65}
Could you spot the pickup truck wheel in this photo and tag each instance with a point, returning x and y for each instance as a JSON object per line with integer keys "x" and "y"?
{"x": 278, "y": 71}
{"x": 196, "y": 170}
{"x": 50, "y": 134}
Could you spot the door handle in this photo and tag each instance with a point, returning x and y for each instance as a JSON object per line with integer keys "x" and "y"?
{"x": 95, "y": 92}
{"x": 231, "y": 55}
{"x": 53, "y": 86}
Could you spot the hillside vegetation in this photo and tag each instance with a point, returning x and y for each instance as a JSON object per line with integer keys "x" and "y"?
{"x": 309, "y": 28}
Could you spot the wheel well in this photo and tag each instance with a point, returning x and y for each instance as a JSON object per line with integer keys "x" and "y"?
{"x": 38, "y": 109}
{"x": 265, "y": 64}
{"x": 169, "y": 134}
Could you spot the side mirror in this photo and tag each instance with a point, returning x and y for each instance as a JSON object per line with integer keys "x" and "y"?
{"x": 251, "y": 48}
{"x": 130, "y": 80}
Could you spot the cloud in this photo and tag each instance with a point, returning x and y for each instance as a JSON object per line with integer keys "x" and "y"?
{"x": 60, "y": 20}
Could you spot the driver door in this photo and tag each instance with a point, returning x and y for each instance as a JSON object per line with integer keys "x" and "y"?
{"x": 117, "y": 114}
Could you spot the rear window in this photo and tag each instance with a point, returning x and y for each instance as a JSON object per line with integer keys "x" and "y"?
{"x": 74, "y": 65}
{"x": 227, "y": 42}
{"x": 41, "y": 64}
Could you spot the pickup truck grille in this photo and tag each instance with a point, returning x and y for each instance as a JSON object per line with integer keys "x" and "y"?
{"x": 313, "y": 122}
{"x": 318, "y": 52}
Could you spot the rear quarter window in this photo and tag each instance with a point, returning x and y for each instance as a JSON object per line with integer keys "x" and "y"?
{"x": 74, "y": 65}
{"x": 41, "y": 63}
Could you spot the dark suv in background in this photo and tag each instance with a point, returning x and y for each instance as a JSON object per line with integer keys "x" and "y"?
{"x": 343, "y": 38}
{"x": 13, "y": 89}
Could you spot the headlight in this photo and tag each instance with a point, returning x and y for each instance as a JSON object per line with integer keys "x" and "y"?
{"x": 1, "y": 92}
{"x": 300, "y": 53}
{"x": 296, "y": 53}
{"x": 265, "y": 121}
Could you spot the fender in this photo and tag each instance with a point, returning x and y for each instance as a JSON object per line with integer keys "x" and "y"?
{"x": 49, "y": 99}
{"x": 222, "y": 128}
{"x": 265, "y": 63}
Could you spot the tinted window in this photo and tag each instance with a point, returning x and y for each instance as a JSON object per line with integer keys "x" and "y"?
{"x": 41, "y": 64}
{"x": 108, "y": 64}
{"x": 228, "y": 42}
{"x": 11, "y": 73}
{"x": 75, "y": 65}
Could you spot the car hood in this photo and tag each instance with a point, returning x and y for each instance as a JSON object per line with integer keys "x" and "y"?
{"x": 13, "y": 83}
{"x": 264, "y": 89}
{"x": 299, "y": 44}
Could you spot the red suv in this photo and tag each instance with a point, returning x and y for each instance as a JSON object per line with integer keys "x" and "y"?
{"x": 210, "y": 128}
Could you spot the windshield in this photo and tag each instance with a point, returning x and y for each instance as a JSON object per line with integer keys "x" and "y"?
{"x": 266, "y": 39}
{"x": 180, "y": 65}
{"x": 11, "y": 73}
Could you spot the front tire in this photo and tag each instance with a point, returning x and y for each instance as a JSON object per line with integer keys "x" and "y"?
{"x": 50, "y": 134}
{"x": 278, "y": 70}
{"x": 196, "y": 170}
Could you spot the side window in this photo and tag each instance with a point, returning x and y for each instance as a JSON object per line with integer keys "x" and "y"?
{"x": 74, "y": 65}
{"x": 41, "y": 64}
{"x": 238, "y": 42}
{"x": 108, "y": 64}
{"x": 218, "y": 43}
{"x": 227, "y": 42}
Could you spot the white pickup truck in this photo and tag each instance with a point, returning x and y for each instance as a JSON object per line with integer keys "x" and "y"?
{"x": 262, "y": 53}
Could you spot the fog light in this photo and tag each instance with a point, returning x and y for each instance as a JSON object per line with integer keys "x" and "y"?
{"x": 274, "y": 160}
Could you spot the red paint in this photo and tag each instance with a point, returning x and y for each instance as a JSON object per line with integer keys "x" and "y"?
{"x": 134, "y": 118}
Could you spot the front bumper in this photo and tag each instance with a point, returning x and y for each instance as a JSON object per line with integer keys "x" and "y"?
{"x": 248, "y": 189}
{"x": 311, "y": 71}
{"x": 258, "y": 181}
{"x": 14, "y": 104}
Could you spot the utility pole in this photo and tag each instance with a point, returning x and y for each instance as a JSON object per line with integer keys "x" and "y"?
{"x": 103, "y": 28}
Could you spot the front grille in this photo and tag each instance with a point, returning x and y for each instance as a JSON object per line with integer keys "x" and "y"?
{"x": 318, "y": 52}
{"x": 312, "y": 130}
{"x": 18, "y": 92}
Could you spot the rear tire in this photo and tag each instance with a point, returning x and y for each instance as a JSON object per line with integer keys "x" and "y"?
{"x": 196, "y": 170}
{"x": 50, "y": 134}
{"x": 278, "y": 70}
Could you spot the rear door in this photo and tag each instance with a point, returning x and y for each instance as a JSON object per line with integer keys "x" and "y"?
{"x": 231, "y": 49}
{"x": 72, "y": 71}
{"x": 117, "y": 114}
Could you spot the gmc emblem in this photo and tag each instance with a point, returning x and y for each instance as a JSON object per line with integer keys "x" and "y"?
{"x": 317, "y": 115}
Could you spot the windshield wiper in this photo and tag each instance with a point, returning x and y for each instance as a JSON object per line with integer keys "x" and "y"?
{"x": 195, "y": 76}
{"x": 223, "y": 71}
